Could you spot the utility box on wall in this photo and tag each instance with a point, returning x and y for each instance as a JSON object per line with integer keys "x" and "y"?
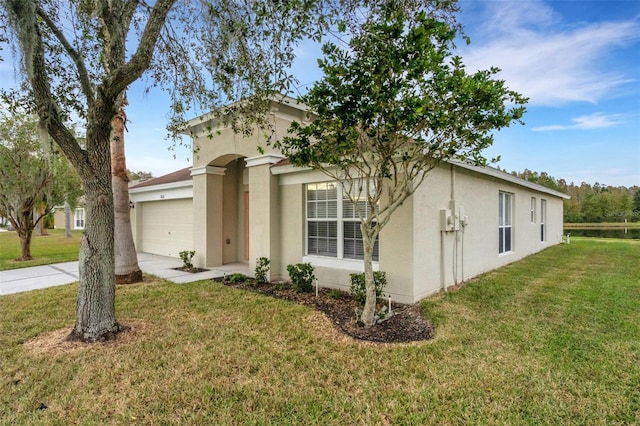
{"x": 446, "y": 220}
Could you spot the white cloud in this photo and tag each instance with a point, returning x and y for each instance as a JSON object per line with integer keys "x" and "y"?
{"x": 587, "y": 122}
{"x": 547, "y": 62}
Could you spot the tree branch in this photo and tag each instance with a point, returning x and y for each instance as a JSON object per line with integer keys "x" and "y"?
{"x": 76, "y": 57}
{"x": 118, "y": 80}
{"x": 30, "y": 38}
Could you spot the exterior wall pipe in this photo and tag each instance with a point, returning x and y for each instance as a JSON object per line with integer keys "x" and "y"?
{"x": 443, "y": 285}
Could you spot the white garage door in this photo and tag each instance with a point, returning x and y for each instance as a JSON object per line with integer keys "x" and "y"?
{"x": 167, "y": 227}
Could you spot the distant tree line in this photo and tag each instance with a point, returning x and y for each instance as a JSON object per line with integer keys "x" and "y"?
{"x": 591, "y": 203}
{"x": 140, "y": 175}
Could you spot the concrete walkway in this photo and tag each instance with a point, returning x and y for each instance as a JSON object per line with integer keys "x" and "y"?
{"x": 37, "y": 277}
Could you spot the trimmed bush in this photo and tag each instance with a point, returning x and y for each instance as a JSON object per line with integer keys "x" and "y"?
{"x": 236, "y": 278}
{"x": 358, "y": 288}
{"x": 187, "y": 258}
{"x": 262, "y": 269}
{"x": 302, "y": 277}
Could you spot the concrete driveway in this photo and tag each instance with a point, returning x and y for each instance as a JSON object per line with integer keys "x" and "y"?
{"x": 37, "y": 277}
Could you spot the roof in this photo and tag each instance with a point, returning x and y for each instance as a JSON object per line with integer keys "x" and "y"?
{"x": 284, "y": 166}
{"x": 177, "y": 176}
{"x": 499, "y": 174}
{"x": 276, "y": 100}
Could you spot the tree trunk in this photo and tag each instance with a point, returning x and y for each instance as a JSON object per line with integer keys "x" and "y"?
{"x": 67, "y": 219}
{"x": 25, "y": 246}
{"x": 95, "y": 306}
{"x": 368, "y": 316}
{"x": 24, "y": 229}
{"x": 39, "y": 213}
{"x": 25, "y": 233}
{"x": 126, "y": 259}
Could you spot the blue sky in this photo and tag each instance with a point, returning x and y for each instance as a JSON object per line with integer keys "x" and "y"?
{"x": 577, "y": 60}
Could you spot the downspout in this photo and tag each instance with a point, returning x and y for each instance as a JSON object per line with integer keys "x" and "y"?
{"x": 453, "y": 183}
{"x": 462, "y": 252}
{"x": 443, "y": 286}
{"x": 454, "y": 258}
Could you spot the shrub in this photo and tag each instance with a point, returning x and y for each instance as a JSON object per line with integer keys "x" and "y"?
{"x": 236, "y": 278}
{"x": 301, "y": 276}
{"x": 187, "y": 258}
{"x": 262, "y": 268}
{"x": 358, "y": 288}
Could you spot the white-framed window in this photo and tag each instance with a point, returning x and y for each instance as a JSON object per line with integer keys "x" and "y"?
{"x": 533, "y": 209}
{"x": 505, "y": 222}
{"x": 543, "y": 220}
{"x": 333, "y": 227}
{"x": 79, "y": 219}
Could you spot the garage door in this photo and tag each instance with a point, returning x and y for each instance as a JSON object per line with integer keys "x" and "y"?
{"x": 167, "y": 227}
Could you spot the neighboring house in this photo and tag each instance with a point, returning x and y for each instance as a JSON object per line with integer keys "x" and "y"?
{"x": 236, "y": 204}
{"x": 77, "y": 218}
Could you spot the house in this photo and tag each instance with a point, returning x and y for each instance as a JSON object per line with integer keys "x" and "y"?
{"x": 77, "y": 218}
{"x": 237, "y": 203}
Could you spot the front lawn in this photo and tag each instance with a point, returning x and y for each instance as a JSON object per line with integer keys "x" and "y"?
{"x": 46, "y": 249}
{"x": 553, "y": 339}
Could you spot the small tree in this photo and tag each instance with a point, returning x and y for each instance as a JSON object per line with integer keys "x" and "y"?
{"x": 28, "y": 186}
{"x": 389, "y": 109}
{"x": 262, "y": 270}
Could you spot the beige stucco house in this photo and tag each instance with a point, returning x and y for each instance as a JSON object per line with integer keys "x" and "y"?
{"x": 236, "y": 204}
{"x": 77, "y": 218}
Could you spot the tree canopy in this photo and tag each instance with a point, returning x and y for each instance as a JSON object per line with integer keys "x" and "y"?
{"x": 391, "y": 107}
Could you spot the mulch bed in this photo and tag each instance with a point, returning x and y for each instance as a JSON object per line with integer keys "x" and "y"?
{"x": 406, "y": 325}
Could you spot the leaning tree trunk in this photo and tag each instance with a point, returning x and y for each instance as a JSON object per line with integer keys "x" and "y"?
{"x": 126, "y": 260}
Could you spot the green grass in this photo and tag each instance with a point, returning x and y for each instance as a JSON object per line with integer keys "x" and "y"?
{"x": 47, "y": 249}
{"x": 553, "y": 339}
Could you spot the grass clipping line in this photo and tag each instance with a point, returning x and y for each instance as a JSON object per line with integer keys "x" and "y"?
{"x": 55, "y": 343}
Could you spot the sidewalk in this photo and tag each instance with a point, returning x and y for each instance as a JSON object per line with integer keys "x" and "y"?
{"x": 37, "y": 277}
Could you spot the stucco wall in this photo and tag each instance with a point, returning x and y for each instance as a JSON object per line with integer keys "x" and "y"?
{"x": 220, "y": 145}
{"x": 458, "y": 256}
{"x": 418, "y": 258}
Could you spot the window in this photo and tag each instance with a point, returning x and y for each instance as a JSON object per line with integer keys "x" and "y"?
{"x": 322, "y": 219}
{"x": 533, "y": 209}
{"x": 79, "y": 219}
{"x": 543, "y": 220}
{"x": 505, "y": 222}
{"x": 333, "y": 227}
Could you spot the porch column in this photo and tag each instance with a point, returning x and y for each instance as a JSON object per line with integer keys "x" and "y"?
{"x": 207, "y": 215}
{"x": 264, "y": 217}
